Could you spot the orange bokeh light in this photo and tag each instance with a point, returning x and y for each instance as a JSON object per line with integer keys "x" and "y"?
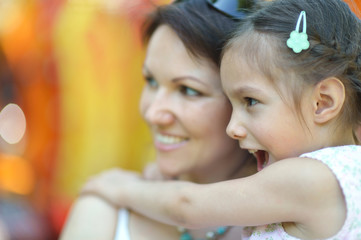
{"x": 16, "y": 175}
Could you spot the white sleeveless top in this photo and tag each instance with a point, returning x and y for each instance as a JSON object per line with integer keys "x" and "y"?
{"x": 345, "y": 163}
{"x": 122, "y": 230}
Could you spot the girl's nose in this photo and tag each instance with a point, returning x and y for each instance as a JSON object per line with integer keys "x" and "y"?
{"x": 235, "y": 129}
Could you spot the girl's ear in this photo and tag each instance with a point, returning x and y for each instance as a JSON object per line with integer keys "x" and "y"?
{"x": 329, "y": 97}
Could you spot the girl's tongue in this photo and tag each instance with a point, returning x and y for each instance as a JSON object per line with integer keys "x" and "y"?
{"x": 262, "y": 159}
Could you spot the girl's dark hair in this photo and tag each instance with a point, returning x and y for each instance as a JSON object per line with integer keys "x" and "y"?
{"x": 202, "y": 29}
{"x": 334, "y": 33}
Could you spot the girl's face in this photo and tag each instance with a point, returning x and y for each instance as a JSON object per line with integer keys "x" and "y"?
{"x": 263, "y": 119}
{"x": 187, "y": 111}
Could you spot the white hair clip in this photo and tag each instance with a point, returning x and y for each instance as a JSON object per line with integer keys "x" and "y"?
{"x": 298, "y": 41}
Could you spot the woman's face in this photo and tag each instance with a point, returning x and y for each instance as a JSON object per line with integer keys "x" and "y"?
{"x": 187, "y": 111}
{"x": 358, "y": 133}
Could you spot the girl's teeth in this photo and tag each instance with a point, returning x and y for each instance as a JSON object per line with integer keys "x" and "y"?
{"x": 168, "y": 139}
{"x": 251, "y": 151}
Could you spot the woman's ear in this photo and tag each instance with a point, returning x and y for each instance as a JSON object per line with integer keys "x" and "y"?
{"x": 329, "y": 97}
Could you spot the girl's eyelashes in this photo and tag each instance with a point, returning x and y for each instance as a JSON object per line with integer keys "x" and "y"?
{"x": 188, "y": 91}
{"x": 151, "y": 82}
{"x": 250, "y": 101}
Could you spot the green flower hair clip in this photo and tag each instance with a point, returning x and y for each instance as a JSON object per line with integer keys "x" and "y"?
{"x": 298, "y": 41}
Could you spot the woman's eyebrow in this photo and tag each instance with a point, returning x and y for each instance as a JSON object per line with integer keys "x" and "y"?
{"x": 145, "y": 70}
{"x": 182, "y": 78}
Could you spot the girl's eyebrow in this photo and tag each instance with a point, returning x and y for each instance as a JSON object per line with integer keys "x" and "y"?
{"x": 246, "y": 90}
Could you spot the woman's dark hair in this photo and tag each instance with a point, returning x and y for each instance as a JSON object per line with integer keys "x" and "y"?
{"x": 334, "y": 33}
{"x": 202, "y": 29}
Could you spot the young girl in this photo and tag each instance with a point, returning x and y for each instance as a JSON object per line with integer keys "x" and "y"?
{"x": 293, "y": 75}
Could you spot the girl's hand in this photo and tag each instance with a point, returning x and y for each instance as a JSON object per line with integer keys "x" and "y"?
{"x": 112, "y": 185}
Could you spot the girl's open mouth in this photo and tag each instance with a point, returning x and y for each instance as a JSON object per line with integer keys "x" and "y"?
{"x": 262, "y": 158}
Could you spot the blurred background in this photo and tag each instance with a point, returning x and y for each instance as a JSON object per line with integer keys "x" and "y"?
{"x": 70, "y": 80}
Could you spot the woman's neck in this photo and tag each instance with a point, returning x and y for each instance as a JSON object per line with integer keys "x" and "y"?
{"x": 226, "y": 170}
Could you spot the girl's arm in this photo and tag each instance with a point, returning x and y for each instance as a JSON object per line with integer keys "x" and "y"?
{"x": 281, "y": 192}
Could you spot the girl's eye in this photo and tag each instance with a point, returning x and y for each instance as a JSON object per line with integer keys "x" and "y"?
{"x": 151, "y": 82}
{"x": 251, "y": 101}
{"x": 189, "y": 91}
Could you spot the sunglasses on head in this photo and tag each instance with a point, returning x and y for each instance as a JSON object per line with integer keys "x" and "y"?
{"x": 236, "y": 9}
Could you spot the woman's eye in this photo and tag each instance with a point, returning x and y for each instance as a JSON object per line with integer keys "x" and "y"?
{"x": 251, "y": 101}
{"x": 151, "y": 82}
{"x": 189, "y": 91}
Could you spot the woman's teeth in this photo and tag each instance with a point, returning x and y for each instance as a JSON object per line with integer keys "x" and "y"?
{"x": 168, "y": 139}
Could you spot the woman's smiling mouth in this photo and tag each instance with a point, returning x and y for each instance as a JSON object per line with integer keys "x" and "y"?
{"x": 167, "y": 142}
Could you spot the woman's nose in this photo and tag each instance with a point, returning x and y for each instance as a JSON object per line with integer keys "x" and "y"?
{"x": 160, "y": 112}
{"x": 235, "y": 129}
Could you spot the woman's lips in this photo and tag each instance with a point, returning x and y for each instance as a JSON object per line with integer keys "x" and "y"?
{"x": 165, "y": 142}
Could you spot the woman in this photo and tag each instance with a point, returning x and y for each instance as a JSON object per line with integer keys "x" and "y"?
{"x": 187, "y": 113}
